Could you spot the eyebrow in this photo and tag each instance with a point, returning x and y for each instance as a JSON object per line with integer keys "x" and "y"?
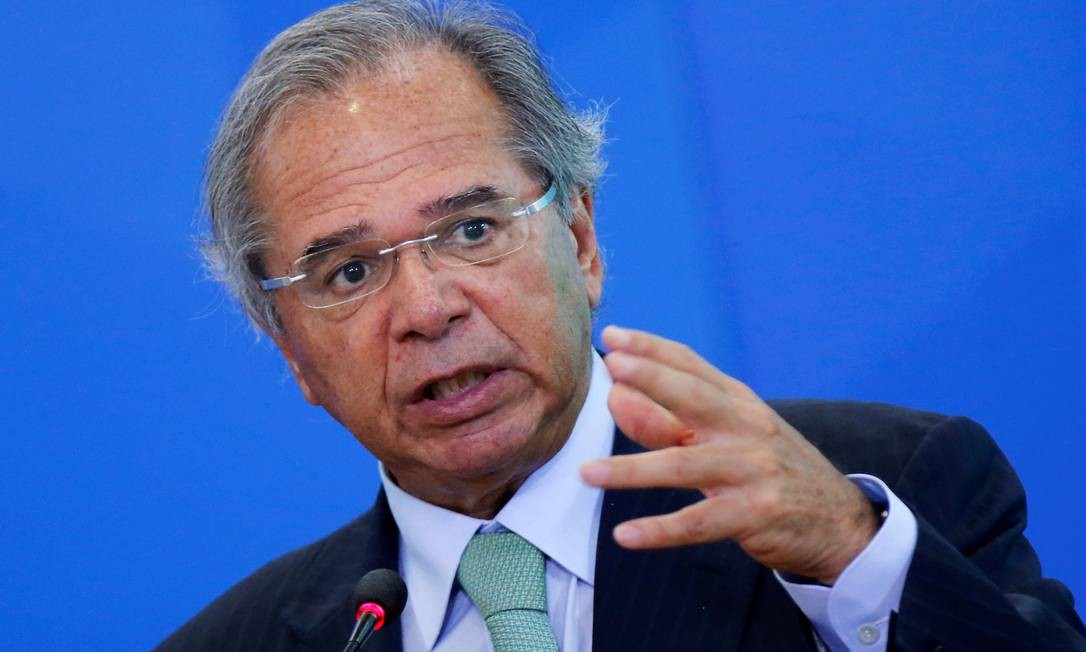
{"x": 440, "y": 207}
{"x": 449, "y": 204}
{"x": 348, "y": 234}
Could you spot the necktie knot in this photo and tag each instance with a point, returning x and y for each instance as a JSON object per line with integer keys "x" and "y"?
{"x": 505, "y": 576}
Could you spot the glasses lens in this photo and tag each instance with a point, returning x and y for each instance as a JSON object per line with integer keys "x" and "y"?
{"x": 343, "y": 273}
{"x": 483, "y": 233}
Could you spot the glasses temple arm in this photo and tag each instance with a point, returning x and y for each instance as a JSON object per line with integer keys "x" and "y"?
{"x": 280, "y": 282}
{"x": 538, "y": 204}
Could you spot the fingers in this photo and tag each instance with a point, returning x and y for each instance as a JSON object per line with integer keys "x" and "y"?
{"x": 765, "y": 486}
{"x": 645, "y": 420}
{"x": 687, "y": 467}
{"x": 712, "y": 519}
{"x": 688, "y": 397}
{"x": 671, "y": 353}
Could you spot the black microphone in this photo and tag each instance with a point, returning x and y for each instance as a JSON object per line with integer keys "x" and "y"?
{"x": 380, "y": 596}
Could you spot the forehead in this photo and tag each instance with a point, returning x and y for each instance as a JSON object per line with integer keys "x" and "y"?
{"x": 425, "y": 127}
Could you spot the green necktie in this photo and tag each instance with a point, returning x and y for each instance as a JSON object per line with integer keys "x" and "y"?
{"x": 504, "y": 576}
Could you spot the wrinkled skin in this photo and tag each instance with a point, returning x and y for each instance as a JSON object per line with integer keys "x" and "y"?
{"x": 427, "y": 127}
{"x": 765, "y": 486}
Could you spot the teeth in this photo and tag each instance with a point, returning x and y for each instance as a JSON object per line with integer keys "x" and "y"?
{"x": 443, "y": 389}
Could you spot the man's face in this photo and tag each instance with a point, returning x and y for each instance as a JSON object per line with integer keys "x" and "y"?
{"x": 461, "y": 380}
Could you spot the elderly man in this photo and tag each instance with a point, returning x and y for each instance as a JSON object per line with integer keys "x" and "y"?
{"x": 401, "y": 201}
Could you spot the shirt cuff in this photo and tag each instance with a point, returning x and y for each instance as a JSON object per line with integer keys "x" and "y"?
{"x": 854, "y": 614}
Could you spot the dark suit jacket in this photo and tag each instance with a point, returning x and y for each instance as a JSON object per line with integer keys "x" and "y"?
{"x": 974, "y": 582}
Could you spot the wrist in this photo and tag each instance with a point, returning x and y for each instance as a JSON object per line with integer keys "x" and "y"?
{"x": 861, "y": 525}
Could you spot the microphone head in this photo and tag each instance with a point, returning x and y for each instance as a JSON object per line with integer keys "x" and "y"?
{"x": 386, "y": 588}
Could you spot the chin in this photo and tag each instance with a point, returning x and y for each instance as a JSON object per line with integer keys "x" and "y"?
{"x": 511, "y": 448}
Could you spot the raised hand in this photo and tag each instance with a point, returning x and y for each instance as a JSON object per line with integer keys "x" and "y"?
{"x": 765, "y": 486}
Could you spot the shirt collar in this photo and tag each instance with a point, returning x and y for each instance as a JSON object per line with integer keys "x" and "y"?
{"x": 557, "y": 515}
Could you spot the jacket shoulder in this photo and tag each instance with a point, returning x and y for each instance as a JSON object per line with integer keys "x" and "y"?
{"x": 874, "y": 438}
{"x": 254, "y": 613}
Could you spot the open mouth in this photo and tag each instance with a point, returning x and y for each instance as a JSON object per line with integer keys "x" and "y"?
{"x": 461, "y": 383}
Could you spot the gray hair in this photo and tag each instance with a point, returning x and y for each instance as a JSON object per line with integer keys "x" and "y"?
{"x": 320, "y": 55}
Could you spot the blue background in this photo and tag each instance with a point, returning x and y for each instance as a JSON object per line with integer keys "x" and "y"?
{"x": 881, "y": 201}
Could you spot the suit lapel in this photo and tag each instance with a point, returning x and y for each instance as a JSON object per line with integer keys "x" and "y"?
{"x": 693, "y": 598}
{"x": 322, "y": 616}
{"x": 689, "y": 598}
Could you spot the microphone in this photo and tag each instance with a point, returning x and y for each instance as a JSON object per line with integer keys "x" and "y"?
{"x": 380, "y": 596}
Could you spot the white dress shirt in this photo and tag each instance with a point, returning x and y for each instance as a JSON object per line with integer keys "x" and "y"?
{"x": 560, "y": 515}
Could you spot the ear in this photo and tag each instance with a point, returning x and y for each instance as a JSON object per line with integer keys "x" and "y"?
{"x": 299, "y": 376}
{"x": 588, "y": 250}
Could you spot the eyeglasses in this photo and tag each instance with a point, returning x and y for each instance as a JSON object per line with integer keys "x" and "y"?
{"x": 344, "y": 273}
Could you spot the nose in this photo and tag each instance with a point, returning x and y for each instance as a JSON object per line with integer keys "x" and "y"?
{"x": 426, "y": 300}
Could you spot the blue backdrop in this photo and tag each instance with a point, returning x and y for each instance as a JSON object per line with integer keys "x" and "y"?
{"x": 881, "y": 201}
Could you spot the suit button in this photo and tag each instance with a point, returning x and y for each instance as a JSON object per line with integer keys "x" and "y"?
{"x": 867, "y": 634}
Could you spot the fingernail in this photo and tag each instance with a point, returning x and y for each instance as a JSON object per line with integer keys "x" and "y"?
{"x": 627, "y": 535}
{"x": 617, "y": 335}
{"x": 595, "y": 473}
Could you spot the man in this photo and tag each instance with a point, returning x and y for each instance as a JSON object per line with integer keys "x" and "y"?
{"x": 403, "y": 204}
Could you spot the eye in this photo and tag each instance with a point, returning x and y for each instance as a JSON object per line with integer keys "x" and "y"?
{"x": 350, "y": 274}
{"x": 473, "y": 231}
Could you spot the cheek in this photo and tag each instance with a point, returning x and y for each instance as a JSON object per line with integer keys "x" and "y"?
{"x": 565, "y": 276}
{"x": 343, "y": 364}
{"x": 543, "y": 303}
{"x": 533, "y": 291}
